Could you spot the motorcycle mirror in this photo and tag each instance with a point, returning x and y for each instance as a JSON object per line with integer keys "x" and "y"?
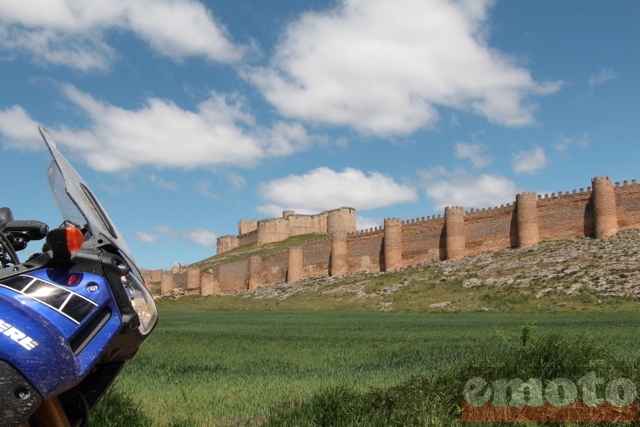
{"x": 65, "y": 240}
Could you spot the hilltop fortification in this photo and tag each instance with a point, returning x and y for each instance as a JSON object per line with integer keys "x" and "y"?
{"x": 599, "y": 211}
{"x": 290, "y": 224}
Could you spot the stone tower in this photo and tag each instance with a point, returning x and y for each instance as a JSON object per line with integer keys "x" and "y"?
{"x": 392, "y": 244}
{"x": 338, "y": 262}
{"x": 527, "y": 215}
{"x": 454, "y": 231}
{"x": 245, "y": 226}
{"x": 342, "y": 219}
{"x": 272, "y": 230}
{"x": 604, "y": 207}
{"x": 226, "y": 243}
{"x": 294, "y": 264}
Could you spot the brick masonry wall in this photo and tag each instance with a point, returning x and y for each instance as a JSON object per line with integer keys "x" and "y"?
{"x": 227, "y": 243}
{"x": 423, "y": 241}
{"x": 628, "y": 205}
{"x": 272, "y": 230}
{"x": 290, "y": 224}
{"x": 316, "y": 257}
{"x": 306, "y": 224}
{"x": 343, "y": 219}
{"x": 180, "y": 280}
{"x": 250, "y": 238}
{"x": 490, "y": 230}
{"x": 274, "y": 267}
{"x": 364, "y": 251}
{"x": 565, "y": 216}
{"x": 561, "y": 216}
{"x": 233, "y": 276}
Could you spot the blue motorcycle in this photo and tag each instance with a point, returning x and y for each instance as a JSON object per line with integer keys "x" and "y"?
{"x": 70, "y": 316}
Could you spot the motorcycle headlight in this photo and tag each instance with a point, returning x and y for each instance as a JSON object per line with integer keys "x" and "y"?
{"x": 141, "y": 301}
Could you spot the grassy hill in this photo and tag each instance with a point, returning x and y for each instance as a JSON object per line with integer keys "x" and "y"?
{"x": 248, "y": 251}
{"x": 582, "y": 274}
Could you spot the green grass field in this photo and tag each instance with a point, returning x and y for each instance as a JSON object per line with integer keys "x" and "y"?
{"x": 392, "y": 349}
{"x": 206, "y": 368}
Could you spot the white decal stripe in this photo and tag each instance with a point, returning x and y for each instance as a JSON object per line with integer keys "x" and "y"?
{"x": 58, "y": 310}
{"x": 30, "y": 283}
{"x": 65, "y": 301}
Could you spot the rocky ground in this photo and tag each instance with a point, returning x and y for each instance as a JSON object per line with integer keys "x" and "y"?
{"x": 604, "y": 267}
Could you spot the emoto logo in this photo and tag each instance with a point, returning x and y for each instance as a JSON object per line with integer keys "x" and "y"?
{"x": 561, "y": 400}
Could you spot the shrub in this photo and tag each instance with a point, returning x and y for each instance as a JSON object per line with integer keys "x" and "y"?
{"x": 437, "y": 400}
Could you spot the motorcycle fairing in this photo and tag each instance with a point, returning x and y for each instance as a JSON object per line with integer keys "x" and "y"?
{"x": 68, "y": 323}
{"x": 71, "y": 345}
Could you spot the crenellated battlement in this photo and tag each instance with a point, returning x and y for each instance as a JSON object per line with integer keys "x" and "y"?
{"x": 626, "y": 184}
{"x": 599, "y": 211}
{"x": 290, "y": 224}
{"x": 245, "y": 226}
{"x": 560, "y": 194}
{"x": 603, "y": 179}
{"x": 228, "y": 236}
{"x": 422, "y": 220}
{"x": 458, "y": 209}
{"x": 365, "y": 231}
{"x": 491, "y": 210}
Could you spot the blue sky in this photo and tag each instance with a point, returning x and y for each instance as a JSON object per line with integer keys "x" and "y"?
{"x": 186, "y": 116}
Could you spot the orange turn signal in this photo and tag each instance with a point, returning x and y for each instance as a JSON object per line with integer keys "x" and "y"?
{"x": 64, "y": 240}
{"x": 75, "y": 239}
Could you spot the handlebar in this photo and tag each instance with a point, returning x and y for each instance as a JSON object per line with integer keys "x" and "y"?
{"x": 14, "y": 235}
{"x": 29, "y": 230}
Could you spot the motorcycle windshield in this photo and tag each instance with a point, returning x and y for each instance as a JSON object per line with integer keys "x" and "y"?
{"x": 76, "y": 201}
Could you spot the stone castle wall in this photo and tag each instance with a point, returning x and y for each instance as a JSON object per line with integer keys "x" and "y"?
{"x": 232, "y": 276}
{"x": 423, "y": 240}
{"x": 599, "y": 211}
{"x": 627, "y": 205}
{"x": 365, "y": 251}
{"x": 290, "y": 224}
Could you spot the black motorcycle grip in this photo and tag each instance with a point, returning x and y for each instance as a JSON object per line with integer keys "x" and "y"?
{"x": 36, "y": 230}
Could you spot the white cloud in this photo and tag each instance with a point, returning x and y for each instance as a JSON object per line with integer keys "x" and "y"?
{"x": 116, "y": 189}
{"x": 473, "y": 152}
{"x": 202, "y": 237}
{"x": 530, "y": 161}
{"x": 323, "y": 189}
{"x": 161, "y": 134}
{"x": 363, "y": 223}
{"x": 204, "y": 189}
{"x": 565, "y": 142}
{"x": 384, "y": 67}
{"x": 284, "y": 139}
{"x": 237, "y": 181}
{"x": 18, "y": 130}
{"x": 161, "y": 183}
{"x": 145, "y": 237}
{"x": 461, "y": 188}
{"x": 74, "y": 33}
{"x": 602, "y": 77}
{"x": 198, "y": 236}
